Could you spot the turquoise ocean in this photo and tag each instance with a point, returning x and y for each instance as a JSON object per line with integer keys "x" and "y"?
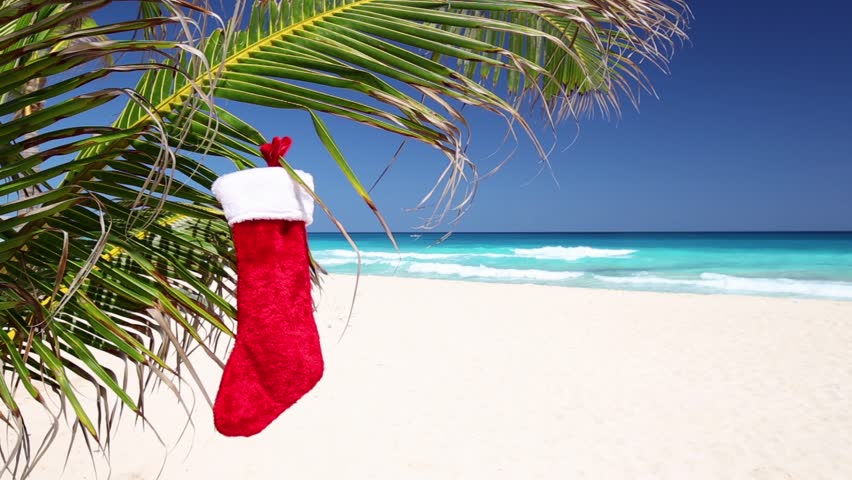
{"x": 807, "y": 265}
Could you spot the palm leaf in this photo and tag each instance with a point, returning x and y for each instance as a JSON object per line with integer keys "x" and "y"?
{"x": 72, "y": 296}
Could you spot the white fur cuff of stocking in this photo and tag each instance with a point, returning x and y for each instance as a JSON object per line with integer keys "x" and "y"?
{"x": 265, "y": 194}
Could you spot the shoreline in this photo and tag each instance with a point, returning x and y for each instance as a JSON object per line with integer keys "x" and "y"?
{"x": 598, "y": 289}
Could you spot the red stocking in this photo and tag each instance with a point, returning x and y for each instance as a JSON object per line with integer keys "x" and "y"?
{"x": 276, "y": 357}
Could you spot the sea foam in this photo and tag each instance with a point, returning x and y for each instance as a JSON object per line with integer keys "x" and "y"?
{"x": 331, "y": 262}
{"x": 365, "y": 254}
{"x": 542, "y": 253}
{"x": 728, "y": 283}
{"x": 481, "y": 271}
{"x": 571, "y": 253}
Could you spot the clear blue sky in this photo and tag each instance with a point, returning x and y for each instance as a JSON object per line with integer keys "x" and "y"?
{"x": 752, "y": 131}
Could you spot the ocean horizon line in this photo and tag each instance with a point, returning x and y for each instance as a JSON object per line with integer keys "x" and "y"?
{"x": 600, "y": 232}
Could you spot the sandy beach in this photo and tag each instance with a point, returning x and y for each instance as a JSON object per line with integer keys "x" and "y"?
{"x": 452, "y": 380}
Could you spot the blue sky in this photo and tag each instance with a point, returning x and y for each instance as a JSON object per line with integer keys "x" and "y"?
{"x": 752, "y": 131}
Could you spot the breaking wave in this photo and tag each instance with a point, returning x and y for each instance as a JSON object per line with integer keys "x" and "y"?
{"x": 481, "y": 271}
{"x": 366, "y": 255}
{"x": 728, "y": 283}
{"x": 543, "y": 253}
{"x": 571, "y": 253}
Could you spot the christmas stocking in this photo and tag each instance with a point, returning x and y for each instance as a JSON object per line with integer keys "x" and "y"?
{"x": 276, "y": 357}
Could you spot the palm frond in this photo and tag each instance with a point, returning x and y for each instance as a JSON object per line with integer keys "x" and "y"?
{"x": 77, "y": 276}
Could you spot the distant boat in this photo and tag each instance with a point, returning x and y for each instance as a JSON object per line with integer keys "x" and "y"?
{"x": 415, "y": 235}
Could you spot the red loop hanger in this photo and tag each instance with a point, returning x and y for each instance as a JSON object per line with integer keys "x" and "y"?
{"x": 276, "y": 149}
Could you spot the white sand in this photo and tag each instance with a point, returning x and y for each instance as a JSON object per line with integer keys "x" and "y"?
{"x": 445, "y": 380}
